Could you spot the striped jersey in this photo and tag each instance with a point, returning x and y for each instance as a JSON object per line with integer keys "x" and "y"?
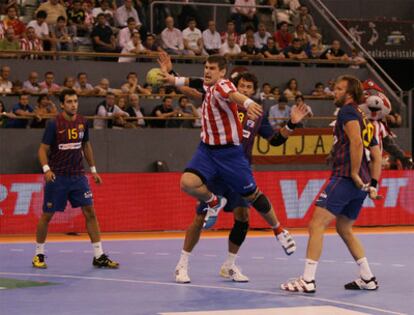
{"x": 220, "y": 124}
{"x": 341, "y": 151}
{"x": 65, "y": 139}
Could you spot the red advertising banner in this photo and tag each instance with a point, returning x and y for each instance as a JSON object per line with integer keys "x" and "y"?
{"x": 153, "y": 202}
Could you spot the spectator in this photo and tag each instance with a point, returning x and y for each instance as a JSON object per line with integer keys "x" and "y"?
{"x": 151, "y": 45}
{"x": 64, "y": 35}
{"x": 103, "y": 38}
{"x": 192, "y": 37}
{"x": 31, "y": 86}
{"x": 107, "y": 108}
{"x": 300, "y": 33}
{"x": 9, "y": 43}
{"x": 270, "y": 50}
{"x": 4, "y": 116}
{"x": 296, "y": 51}
{"x": 315, "y": 38}
{"x": 31, "y": 43}
{"x": 76, "y": 17}
{"x": 291, "y": 90}
{"x": 87, "y": 6}
{"x": 22, "y": 109}
{"x": 188, "y": 110}
{"x": 261, "y": 36}
{"x": 48, "y": 85}
{"x": 299, "y": 100}
{"x": 82, "y": 87}
{"x": 319, "y": 90}
{"x": 132, "y": 86}
{"x": 5, "y": 84}
{"x": 248, "y": 33}
{"x": 12, "y": 21}
{"x": 134, "y": 110}
{"x": 266, "y": 92}
{"x": 125, "y": 35}
{"x": 292, "y": 5}
{"x": 133, "y": 46}
{"x": 278, "y": 112}
{"x": 231, "y": 30}
{"x": 106, "y": 10}
{"x": 53, "y": 10}
{"x": 357, "y": 59}
{"x": 276, "y": 93}
{"x": 68, "y": 83}
{"x": 330, "y": 88}
{"x": 124, "y": 12}
{"x": 282, "y": 37}
{"x": 244, "y": 11}
{"x": 172, "y": 38}
{"x": 103, "y": 88}
{"x": 121, "y": 101}
{"x": 165, "y": 110}
{"x": 17, "y": 88}
{"x": 211, "y": 39}
{"x": 314, "y": 52}
{"x": 230, "y": 49}
{"x": 42, "y": 30}
{"x": 44, "y": 107}
{"x": 335, "y": 52}
{"x": 303, "y": 17}
{"x": 250, "y": 51}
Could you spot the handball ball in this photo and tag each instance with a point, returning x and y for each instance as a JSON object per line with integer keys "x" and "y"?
{"x": 154, "y": 76}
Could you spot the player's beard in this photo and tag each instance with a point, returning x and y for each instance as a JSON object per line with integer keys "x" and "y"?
{"x": 340, "y": 101}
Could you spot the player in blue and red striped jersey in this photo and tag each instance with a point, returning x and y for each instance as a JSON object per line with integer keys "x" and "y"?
{"x": 353, "y": 178}
{"x": 65, "y": 141}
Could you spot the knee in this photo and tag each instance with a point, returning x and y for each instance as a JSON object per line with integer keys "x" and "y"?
{"x": 188, "y": 181}
{"x": 46, "y": 217}
{"x": 316, "y": 227}
{"x": 238, "y": 232}
{"x": 241, "y": 214}
{"x": 260, "y": 202}
{"x": 89, "y": 213}
{"x": 344, "y": 232}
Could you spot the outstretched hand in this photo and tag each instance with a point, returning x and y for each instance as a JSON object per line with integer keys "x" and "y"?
{"x": 164, "y": 61}
{"x": 254, "y": 111}
{"x": 298, "y": 113}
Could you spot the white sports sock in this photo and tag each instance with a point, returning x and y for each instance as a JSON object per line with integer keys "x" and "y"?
{"x": 184, "y": 259}
{"x": 364, "y": 269}
{"x": 97, "y": 249}
{"x": 212, "y": 197}
{"x": 310, "y": 270}
{"x": 40, "y": 248}
{"x": 231, "y": 259}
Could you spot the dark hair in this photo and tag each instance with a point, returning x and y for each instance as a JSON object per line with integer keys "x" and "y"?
{"x": 181, "y": 98}
{"x": 81, "y": 73}
{"x": 318, "y": 84}
{"x": 299, "y": 97}
{"x": 166, "y": 98}
{"x": 24, "y": 94}
{"x": 41, "y": 97}
{"x": 266, "y": 83}
{"x": 191, "y": 19}
{"x": 63, "y": 94}
{"x": 246, "y": 76}
{"x": 41, "y": 14}
{"x": 279, "y": 26}
{"x": 221, "y": 61}
{"x": 290, "y": 81}
{"x": 249, "y": 27}
{"x": 231, "y": 21}
{"x": 49, "y": 72}
{"x": 132, "y": 73}
{"x": 296, "y": 40}
{"x": 354, "y": 87}
{"x": 130, "y": 19}
{"x": 100, "y": 14}
{"x": 61, "y": 18}
{"x": 283, "y": 99}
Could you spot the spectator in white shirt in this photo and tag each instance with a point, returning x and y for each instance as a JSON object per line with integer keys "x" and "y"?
{"x": 124, "y": 35}
{"x": 261, "y": 36}
{"x": 82, "y": 87}
{"x": 105, "y": 9}
{"x": 244, "y": 11}
{"x": 31, "y": 85}
{"x": 134, "y": 46}
{"x": 230, "y": 49}
{"x": 192, "y": 37}
{"x": 5, "y": 84}
{"x": 211, "y": 39}
{"x": 172, "y": 38}
{"x": 107, "y": 108}
{"x": 42, "y": 30}
{"x": 124, "y": 12}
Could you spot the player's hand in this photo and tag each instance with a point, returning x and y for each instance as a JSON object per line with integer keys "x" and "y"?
{"x": 50, "y": 176}
{"x": 254, "y": 111}
{"x": 298, "y": 113}
{"x": 167, "y": 78}
{"x": 358, "y": 181}
{"x": 97, "y": 179}
{"x": 164, "y": 61}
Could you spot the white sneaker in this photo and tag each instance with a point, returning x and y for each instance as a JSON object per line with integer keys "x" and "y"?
{"x": 361, "y": 284}
{"x": 181, "y": 275}
{"x": 233, "y": 273}
{"x": 287, "y": 242}
{"x": 212, "y": 213}
{"x": 299, "y": 285}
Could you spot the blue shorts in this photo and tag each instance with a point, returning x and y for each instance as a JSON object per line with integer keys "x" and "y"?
{"x": 234, "y": 200}
{"x": 342, "y": 197}
{"x": 73, "y": 188}
{"x": 228, "y": 163}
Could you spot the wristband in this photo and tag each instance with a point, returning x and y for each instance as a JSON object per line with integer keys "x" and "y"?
{"x": 93, "y": 169}
{"x": 247, "y": 103}
{"x": 179, "y": 81}
{"x": 290, "y": 126}
{"x": 45, "y": 168}
{"x": 374, "y": 183}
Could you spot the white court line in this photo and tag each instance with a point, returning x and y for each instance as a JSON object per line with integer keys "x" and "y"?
{"x": 66, "y": 251}
{"x": 328, "y": 261}
{"x": 138, "y": 253}
{"x": 209, "y": 255}
{"x": 162, "y": 254}
{"x": 281, "y": 258}
{"x": 257, "y": 257}
{"x": 398, "y": 265}
{"x": 203, "y": 287}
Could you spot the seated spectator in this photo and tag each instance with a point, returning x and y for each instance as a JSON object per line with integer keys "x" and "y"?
{"x": 282, "y": 37}
{"x": 244, "y": 11}
{"x": 211, "y": 39}
{"x": 303, "y": 17}
{"x": 31, "y": 43}
{"x": 22, "y": 109}
{"x": 319, "y": 90}
{"x": 329, "y": 89}
{"x": 5, "y": 84}
{"x": 121, "y": 101}
{"x": 151, "y": 45}
{"x": 249, "y": 32}
{"x": 103, "y": 88}
{"x": 87, "y": 6}
{"x": 64, "y": 35}
{"x": 134, "y": 110}
{"x": 276, "y": 93}
{"x": 357, "y": 59}
{"x": 296, "y": 51}
{"x": 270, "y": 50}
{"x": 231, "y": 30}
{"x": 82, "y": 87}
{"x": 76, "y": 17}
{"x": 315, "y": 38}
{"x": 193, "y": 40}
{"x": 132, "y": 86}
{"x": 53, "y": 10}
{"x": 278, "y": 112}
{"x": 44, "y": 107}
{"x": 42, "y": 30}
{"x": 103, "y": 38}
{"x": 266, "y": 92}
{"x": 48, "y": 86}
{"x": 335, "y": 52}
{"x": 17, "y": 88}
{"x": 107, "y": 108}
{"x": 12, "y": 21}
{"x": 291, "y": 90}
{"x": 31, "y": 86}
{"x": 9, "y": 42}
{"x": 172, "y": 38}
{"x": 124, "y": 12}
{"x": 106, "y": 10}
{"x": 68, "y": 83}
{"x": 133, "y": 46}
{"x": 230, "y": 49}
{"x": 165, "y": 110}
{"x": 299, "y": 100}
{"x": 250, "y": 51}
{"x": 300, "y": 33}
{"x": 261, "y": 36}
{"x": 186, "y": 109}
{"x": 314, "y": 52}
{"x": 125, "y": 35}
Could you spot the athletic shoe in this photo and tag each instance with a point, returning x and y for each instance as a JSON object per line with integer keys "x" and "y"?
{"x": 287, "y": 242}
{"x": 299, "y": 285}
{"x": 212, "y": 212}
{"x": 233, "y": 273}
{"x": 181, "y": 275}
{"x": 39, "y": 261}
{"x": 104, "y": 262}
{"x": 361, "y": 284}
